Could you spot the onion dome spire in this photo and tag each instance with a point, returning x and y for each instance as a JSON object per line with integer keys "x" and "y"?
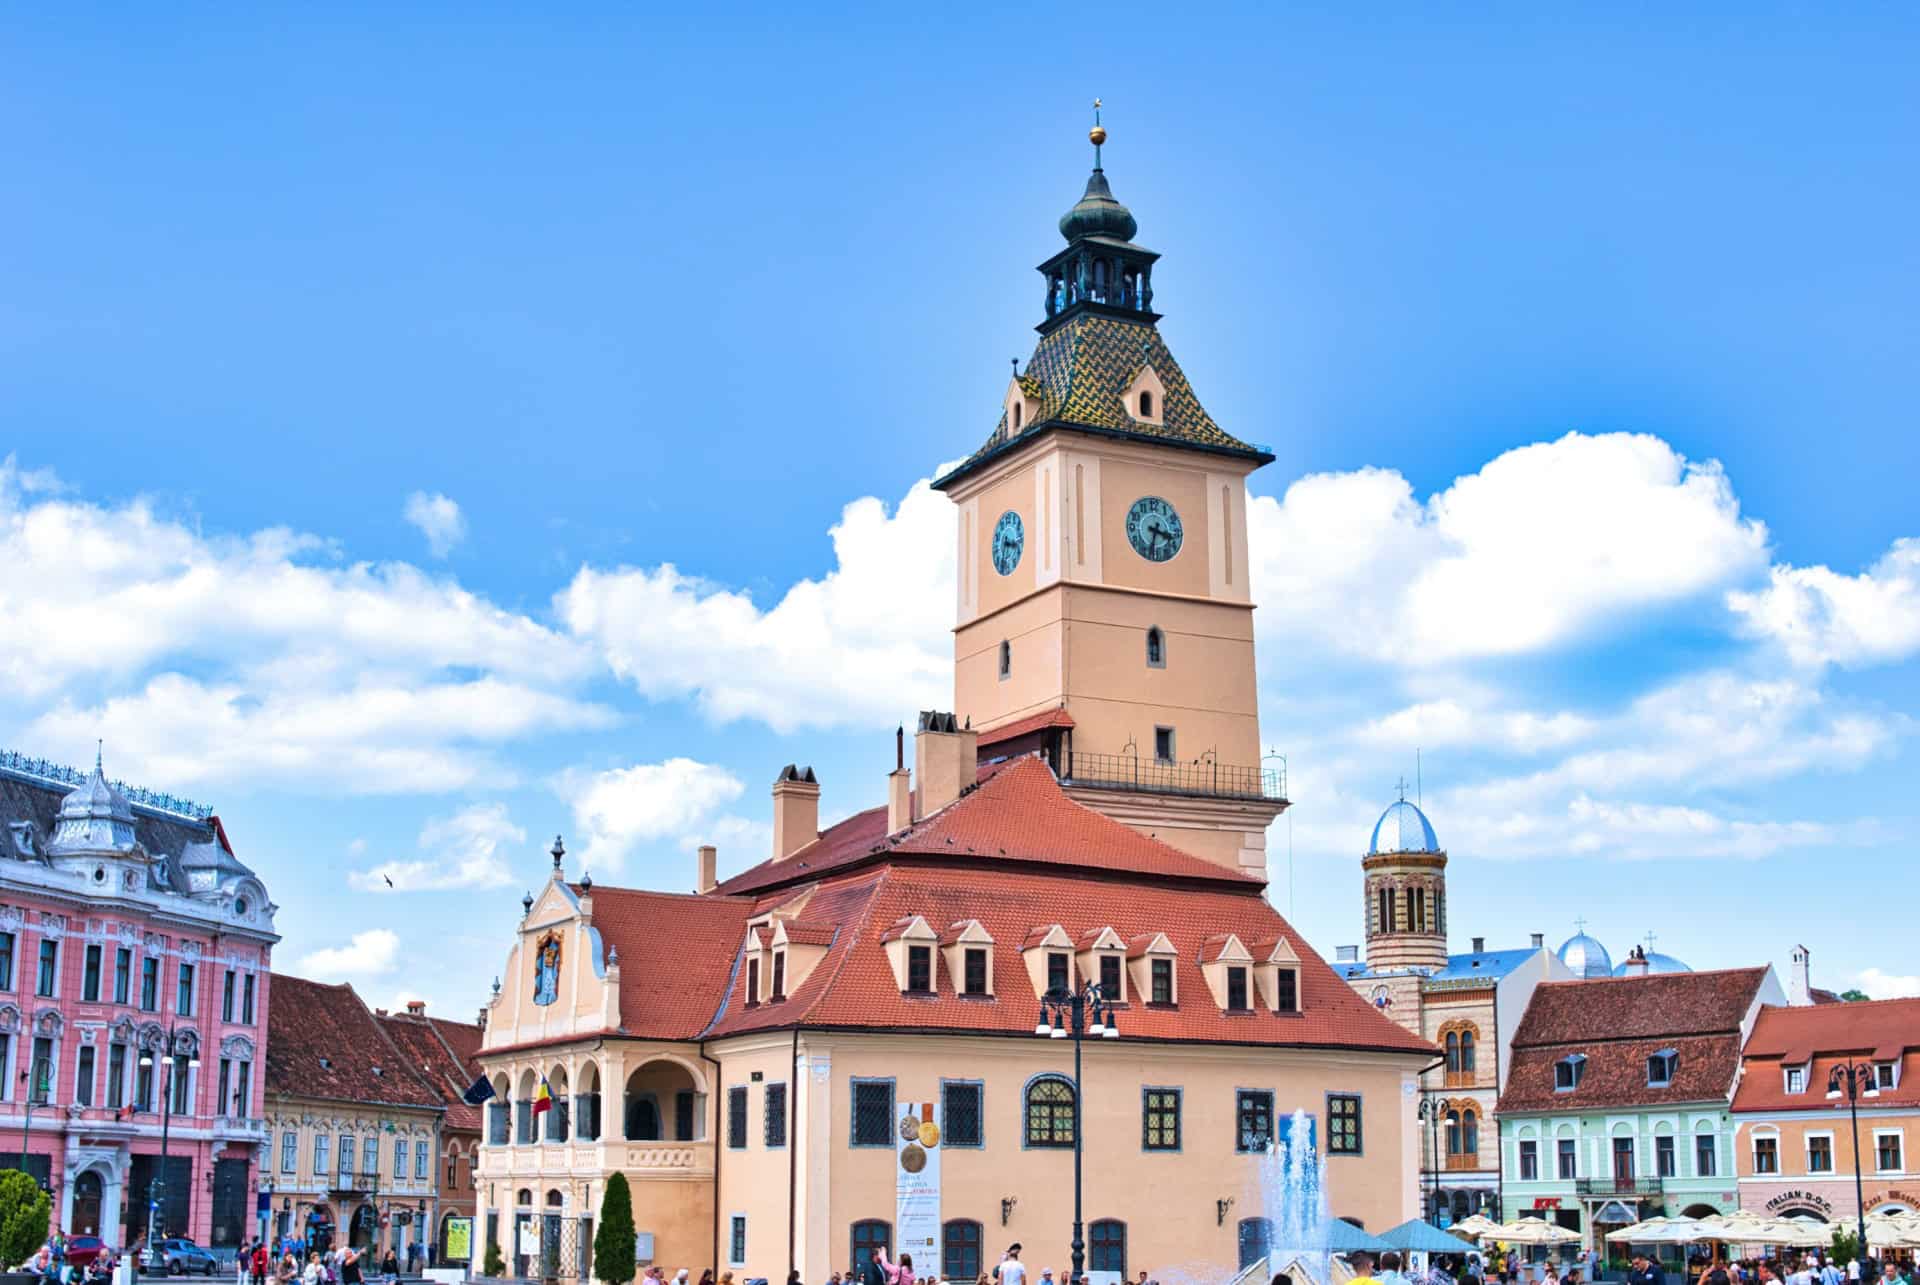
{"x": 1098, "y": 213}
{"x": 1101, "y": 270}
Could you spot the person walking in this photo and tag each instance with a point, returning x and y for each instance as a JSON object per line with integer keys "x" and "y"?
{"x": 1010, "y": 1270}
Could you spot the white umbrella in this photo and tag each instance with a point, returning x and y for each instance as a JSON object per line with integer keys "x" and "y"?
{"x": 1533, "y": 1231}
{"x": 1660, "y": 1231}
{"x": 1893, "y": 1231}
{"x": 1475, "y": 1226}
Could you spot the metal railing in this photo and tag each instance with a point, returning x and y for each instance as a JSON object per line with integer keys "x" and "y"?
{"x": 1617, "y": 1186}
{"x": 1202, "y": 778}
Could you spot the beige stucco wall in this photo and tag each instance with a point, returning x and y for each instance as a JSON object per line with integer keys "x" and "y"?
{"x": 1168, "y": 1200}
{"x": 300, "y": 1188}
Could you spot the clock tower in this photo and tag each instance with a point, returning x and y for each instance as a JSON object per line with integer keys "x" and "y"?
{"x": 1104, "y": 612}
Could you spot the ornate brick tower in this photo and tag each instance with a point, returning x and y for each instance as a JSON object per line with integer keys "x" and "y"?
{"x": 1406, "y": 879}
{"x": 1104, "y": 613}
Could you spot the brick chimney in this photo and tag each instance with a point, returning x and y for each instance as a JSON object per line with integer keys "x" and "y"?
{"x": 1479, "y": 945}
{"x": 707, "y": 870}
{"x": 1539, "y": 941}
{"x": 900, "y": 785}
{"x": 416, "y": 1008}
{"x": 945, "y": 758}
{"x": 796, "y": 811}
{"x": 1346, "y": 954}
{"x": 1636, "y": 965}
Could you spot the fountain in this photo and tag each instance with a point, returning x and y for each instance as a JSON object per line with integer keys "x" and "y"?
{"x": 1291, "y": 1231}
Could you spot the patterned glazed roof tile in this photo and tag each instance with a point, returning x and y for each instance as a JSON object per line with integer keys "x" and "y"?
{"x": 855, "y": 987}
{"x": 1082, "y": 369}
{"x": 323, "y": 1042}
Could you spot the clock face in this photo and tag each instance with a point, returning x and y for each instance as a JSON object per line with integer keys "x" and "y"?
{"x": 1153, "y": 528}
{"x": 1009, "y": 538}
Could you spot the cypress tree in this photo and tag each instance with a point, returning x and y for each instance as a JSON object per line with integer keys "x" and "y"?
{"x": 613, "y": 1242}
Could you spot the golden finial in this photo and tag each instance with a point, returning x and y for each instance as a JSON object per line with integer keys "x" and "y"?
{"x": 1099, "y": 132}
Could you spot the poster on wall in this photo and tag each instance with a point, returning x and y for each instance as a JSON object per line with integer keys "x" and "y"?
{"x": 459, "y": 1239}
{"x": 916, "y": 1191}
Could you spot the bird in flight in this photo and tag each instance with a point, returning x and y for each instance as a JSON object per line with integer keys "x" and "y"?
{"x": 389, "y": 879}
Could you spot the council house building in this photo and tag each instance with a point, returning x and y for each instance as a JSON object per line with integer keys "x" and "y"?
{"x": 842, "y": 1046}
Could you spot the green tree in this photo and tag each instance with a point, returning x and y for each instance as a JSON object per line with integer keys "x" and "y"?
{"x": 613, "y": 1241}
{"x": 1854, "y": 996}
{"x": 24, "y": 1213}
{"x": 494, "y": 1265}
{"x": 1846, "y": 1246}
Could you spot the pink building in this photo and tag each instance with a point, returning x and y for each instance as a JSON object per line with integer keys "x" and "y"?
{"x": 129, "y": 929}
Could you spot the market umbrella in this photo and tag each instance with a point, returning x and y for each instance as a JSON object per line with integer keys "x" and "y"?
{"x": 1660, "y": 1231}
{"x": 1424, "y": 1237}
{"x": 1893, "y": 1231}
{"x": 1533, "y": 1231}
{"x": 1474, "y": 1225}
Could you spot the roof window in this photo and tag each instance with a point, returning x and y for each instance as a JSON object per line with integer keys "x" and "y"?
{"x": 1660, "y": 1068}
{"x": 1568, "y": 1072}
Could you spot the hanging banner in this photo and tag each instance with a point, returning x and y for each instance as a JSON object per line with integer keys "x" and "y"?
{"x": 916, "y": 1191}
{"x": 459, "y": 1240}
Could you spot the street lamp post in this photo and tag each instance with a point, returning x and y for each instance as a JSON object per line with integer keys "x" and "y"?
{"x": 157, "y": 1187}
{"x": 39, "y": 1089}
{"x": 1429, "y": 1111}
{"x": 1075, "y": 1014}
{"x": 1855, "y": 1080}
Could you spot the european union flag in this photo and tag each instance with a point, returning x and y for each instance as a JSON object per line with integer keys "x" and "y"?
{"x": 477, "y": 1092}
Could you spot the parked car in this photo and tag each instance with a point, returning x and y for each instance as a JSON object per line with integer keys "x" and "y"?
{"x": 82, "y": 1250}
{"x": 177, "y": 1256}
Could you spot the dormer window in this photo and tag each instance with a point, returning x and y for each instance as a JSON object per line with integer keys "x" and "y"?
{"x": 1146, "y": 404}
{"x": 779, "y": 974}
{"x": 1796, "y": 1079}
{"x": 1660, "y": 1068}
{"x": 753, "y": 982}
{"x": 1059, "y": 970}
{"x": 920, "y": 970}
{"x": 1884, "y": 1074}
{"x": 1110, "y": 976}
{"x": 1018, "y": 408}
{"x": 1568, "y": 1072}
{"x": 1156, "y": 648}
{"x": 975, "y": 980}
{"x": 1237, "y": 990}
{"x": 1287, "y": 991}
{"x": 1162, "y": 991}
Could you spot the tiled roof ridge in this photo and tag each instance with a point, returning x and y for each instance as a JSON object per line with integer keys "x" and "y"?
{"x": 1659, "y": 978}
{"x": 825, "y": 984}
{"x": 620, "y": 891}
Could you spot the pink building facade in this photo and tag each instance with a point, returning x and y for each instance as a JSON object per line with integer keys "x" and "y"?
{"x": 135, "y": 951}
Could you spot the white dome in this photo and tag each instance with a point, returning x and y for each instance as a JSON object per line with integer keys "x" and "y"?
{"x": 1586, "y": 956}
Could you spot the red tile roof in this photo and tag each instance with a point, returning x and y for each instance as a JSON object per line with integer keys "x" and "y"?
{"x": 1016, "y": 815}
{"x": 1617, "y": 1023}
{"x": 677, "y": 955}
{"x": 1825, "y": 1035}
{"x": 855, "y": 987}
{"x": 424, "y": 1044}
{"x": 322, "y": 1042}
{"x": 1021, "y": 726}
{"x": 810, "y": 934}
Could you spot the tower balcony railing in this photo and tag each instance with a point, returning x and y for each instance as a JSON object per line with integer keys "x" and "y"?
{"x": 1201, "y": 778}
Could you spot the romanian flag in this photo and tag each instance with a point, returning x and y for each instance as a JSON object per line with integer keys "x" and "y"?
{"x": 542, "y": 1097}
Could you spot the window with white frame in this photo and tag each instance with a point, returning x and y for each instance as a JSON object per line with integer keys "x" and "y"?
{"x": 1796, "y": 1079}
{"x": 1887, "y": 1150}
{"x": 420, "y": 1168}
{"x": 1766, "y": 1153}
{"x": 1820, "y": 1153}
{"x": 289, "y": 1152}
{"x": 1706, "y": 1155}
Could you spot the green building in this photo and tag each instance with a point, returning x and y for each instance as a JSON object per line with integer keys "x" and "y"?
{"x": 1616, "y": 1106}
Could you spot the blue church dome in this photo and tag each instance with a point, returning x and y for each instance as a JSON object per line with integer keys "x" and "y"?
{"x": 1403, "y": 828}
{"x": 1656, "y": 963}
{"x": 1586, "y": 956}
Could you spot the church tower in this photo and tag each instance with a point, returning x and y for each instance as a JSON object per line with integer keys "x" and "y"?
{"x": 1406, "y": 882}
{"x": 1104, "y": 612}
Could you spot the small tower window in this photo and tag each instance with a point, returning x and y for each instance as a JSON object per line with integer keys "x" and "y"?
{"x": 1017, "y": 408}
{"x": 1006, "y": 658}
{"x": 1163, "y": 744}
{"x": 1146, "y": 404}
{"x": 1156, "y": 648}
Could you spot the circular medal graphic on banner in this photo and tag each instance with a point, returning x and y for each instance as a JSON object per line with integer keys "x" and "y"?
{"x": 909, "y": 1127}
{"x": 929, "y": 1134}
{"x": 912, "y": 1158}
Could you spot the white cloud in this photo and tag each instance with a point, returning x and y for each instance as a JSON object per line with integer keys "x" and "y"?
{"x": 621, "y": 808}
{"x": 439, "y": 519}
{"x": 372, "y": 953}
{"x": 376, "y": 737}
{"x": 1821, "y": 617}
{"x": 1441, "y": 723}
{"x": 856, "y": 647}
{"x": 1545, "y": 544}
{"x": 465, "y": 850}
{"x": 1879, "y": 985}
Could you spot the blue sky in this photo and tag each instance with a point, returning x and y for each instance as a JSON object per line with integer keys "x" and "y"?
{"x": 432, "y": 431}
